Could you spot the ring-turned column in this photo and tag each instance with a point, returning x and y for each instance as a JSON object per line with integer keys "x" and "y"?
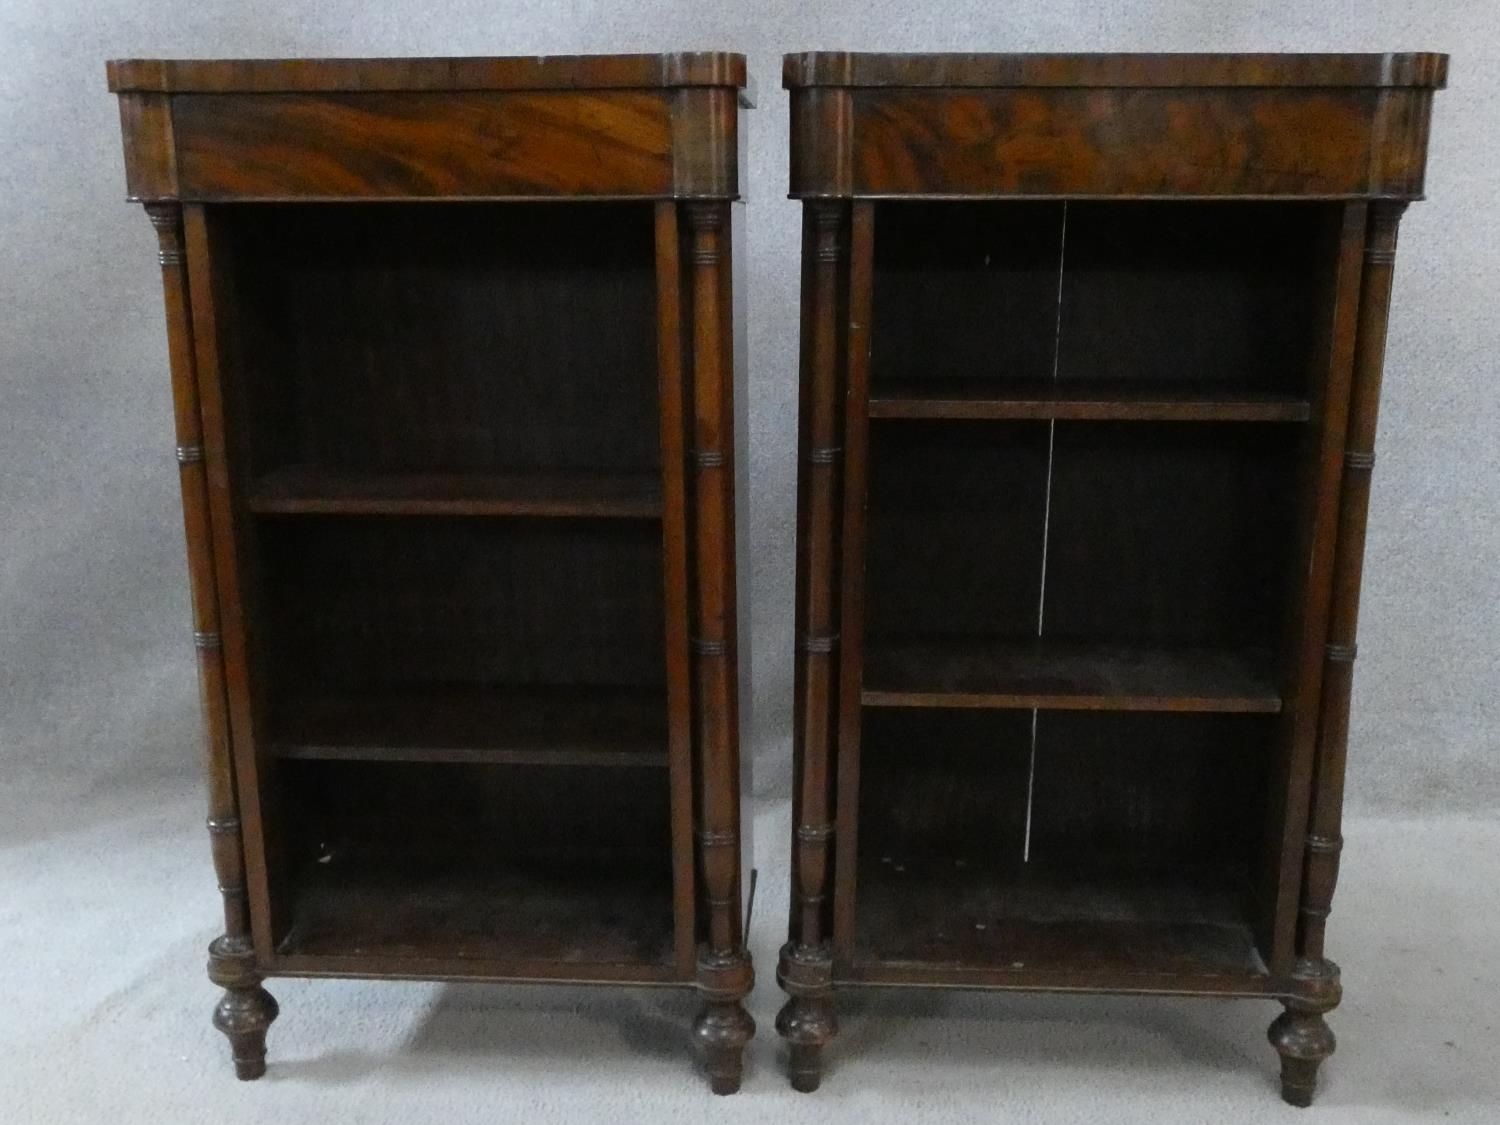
{"x": 246, "y": 1009}
{"x": 1301, "y": 1034}
{"x": 724, "y": 971}
{"x": 808, "y": 1020}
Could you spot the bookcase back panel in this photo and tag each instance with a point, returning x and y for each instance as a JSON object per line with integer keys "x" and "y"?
{"x": 1148, "y": 792}
{"x": 457, "y": 863}
{"x": 401, "y": 603}
{"x": 945, "y": 784}
{"x": 1212, "y": 294}
{"x": 460, "y": 337}
{"x": 489, "y": 813}
{"x": 955, "y": 524}
{"x": 1162, "y": 533}
{"x": 1127, "y": 295}
{"x": 1170, "y": 533}
{"x": 965, "y": 292}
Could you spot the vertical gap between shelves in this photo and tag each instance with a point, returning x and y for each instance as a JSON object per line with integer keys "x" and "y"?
{"x": 1041, "y": 597}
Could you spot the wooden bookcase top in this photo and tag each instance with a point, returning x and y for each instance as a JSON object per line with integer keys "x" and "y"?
{"x": 856, "y": 68}
{"x": 531, "y": 72}
{"x": 1149, "y": 126}
{"x": 540, "y": 127}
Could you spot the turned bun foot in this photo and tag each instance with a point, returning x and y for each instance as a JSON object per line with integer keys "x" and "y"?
{"x": 723, "y": 1027}
{"x": 722, "y": 1030}
{"x": 808, "y": 1020}
{"x": 246, "y": 1010}
{"x": 1301, "y": 1035}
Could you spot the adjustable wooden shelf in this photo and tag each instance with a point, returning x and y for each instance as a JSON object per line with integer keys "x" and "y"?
{"x": 1091, "y": 348}
{"x": 453, "y": 349}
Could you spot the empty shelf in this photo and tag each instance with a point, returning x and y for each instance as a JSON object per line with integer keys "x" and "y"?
{"x": 980, "y": 399}
{"x": 365, "y": 903}
{"x": 1065, "y": 676}
{"x": 945, "y": 920}
{"x": 574, "y": 726}
{"x": 313, "y": 490}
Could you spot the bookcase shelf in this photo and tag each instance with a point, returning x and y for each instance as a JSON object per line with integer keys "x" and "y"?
{"x": 316, "y": 490}
{"x": 962, "y": 920}
{"x": 576, "y": 917}
{"x": 955, "y": 398}
{"x": 576, "y": 725}
{"x": 1063, "y": 675}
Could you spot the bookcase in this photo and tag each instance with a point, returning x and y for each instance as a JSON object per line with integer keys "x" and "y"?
{"x": 454, "y": 347}
{"x": 1091, "y": 351}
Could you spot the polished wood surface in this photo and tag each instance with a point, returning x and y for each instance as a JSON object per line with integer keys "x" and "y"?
{"x": 536, "y": 72}
{"x": 1091, "y": 349}
{"x": 1145, "y": 126}
{"x": 336, "y": 146}
{"x": 1317, "y": 71}
{"x": 632, "y": 126}
{"x": 459, "y": 479}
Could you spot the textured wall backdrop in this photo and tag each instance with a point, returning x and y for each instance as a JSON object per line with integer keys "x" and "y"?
{"x": 96, "y": 675}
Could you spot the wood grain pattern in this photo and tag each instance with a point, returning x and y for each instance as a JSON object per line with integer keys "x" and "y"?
{"x": 422, "y": 145}
{"x": 1069, "y": 142}
{"x": 981, "y": 126}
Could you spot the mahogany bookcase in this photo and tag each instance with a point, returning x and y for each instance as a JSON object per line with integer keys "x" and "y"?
{"x": 1091, "y": 349}
{"x": 453, "y": 351}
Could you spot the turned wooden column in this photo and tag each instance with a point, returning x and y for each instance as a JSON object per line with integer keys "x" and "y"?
{"x": 808, "y": 1020}
{"x": 724, "y": 971}
{"x": 246, "y": 1009}
{"x": 1301, "y": 1034}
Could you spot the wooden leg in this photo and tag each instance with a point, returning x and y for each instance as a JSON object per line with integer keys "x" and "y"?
{"x": 808, "y": 1020}
{"x": 245, "y": 1012}
{"x": 722, "y": 1030}
{"x": 1301, "y": 1035}
{"x": 723, "y": 1027}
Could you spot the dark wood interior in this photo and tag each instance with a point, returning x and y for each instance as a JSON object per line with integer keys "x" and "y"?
{"x": 456, "y": 862}
{"x": 471, "y": 339}
{"x": 446, "y": 419}
{"x": 1082, "y": 493}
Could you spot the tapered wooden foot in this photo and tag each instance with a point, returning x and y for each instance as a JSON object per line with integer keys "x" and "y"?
{"x": 1301, "y": 1035}
{"x": 722, "y": 1030}
{"x": 246, "y": 1010}
{"x": 808, "y": 1020}
{"x": 723, "y": 1027}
